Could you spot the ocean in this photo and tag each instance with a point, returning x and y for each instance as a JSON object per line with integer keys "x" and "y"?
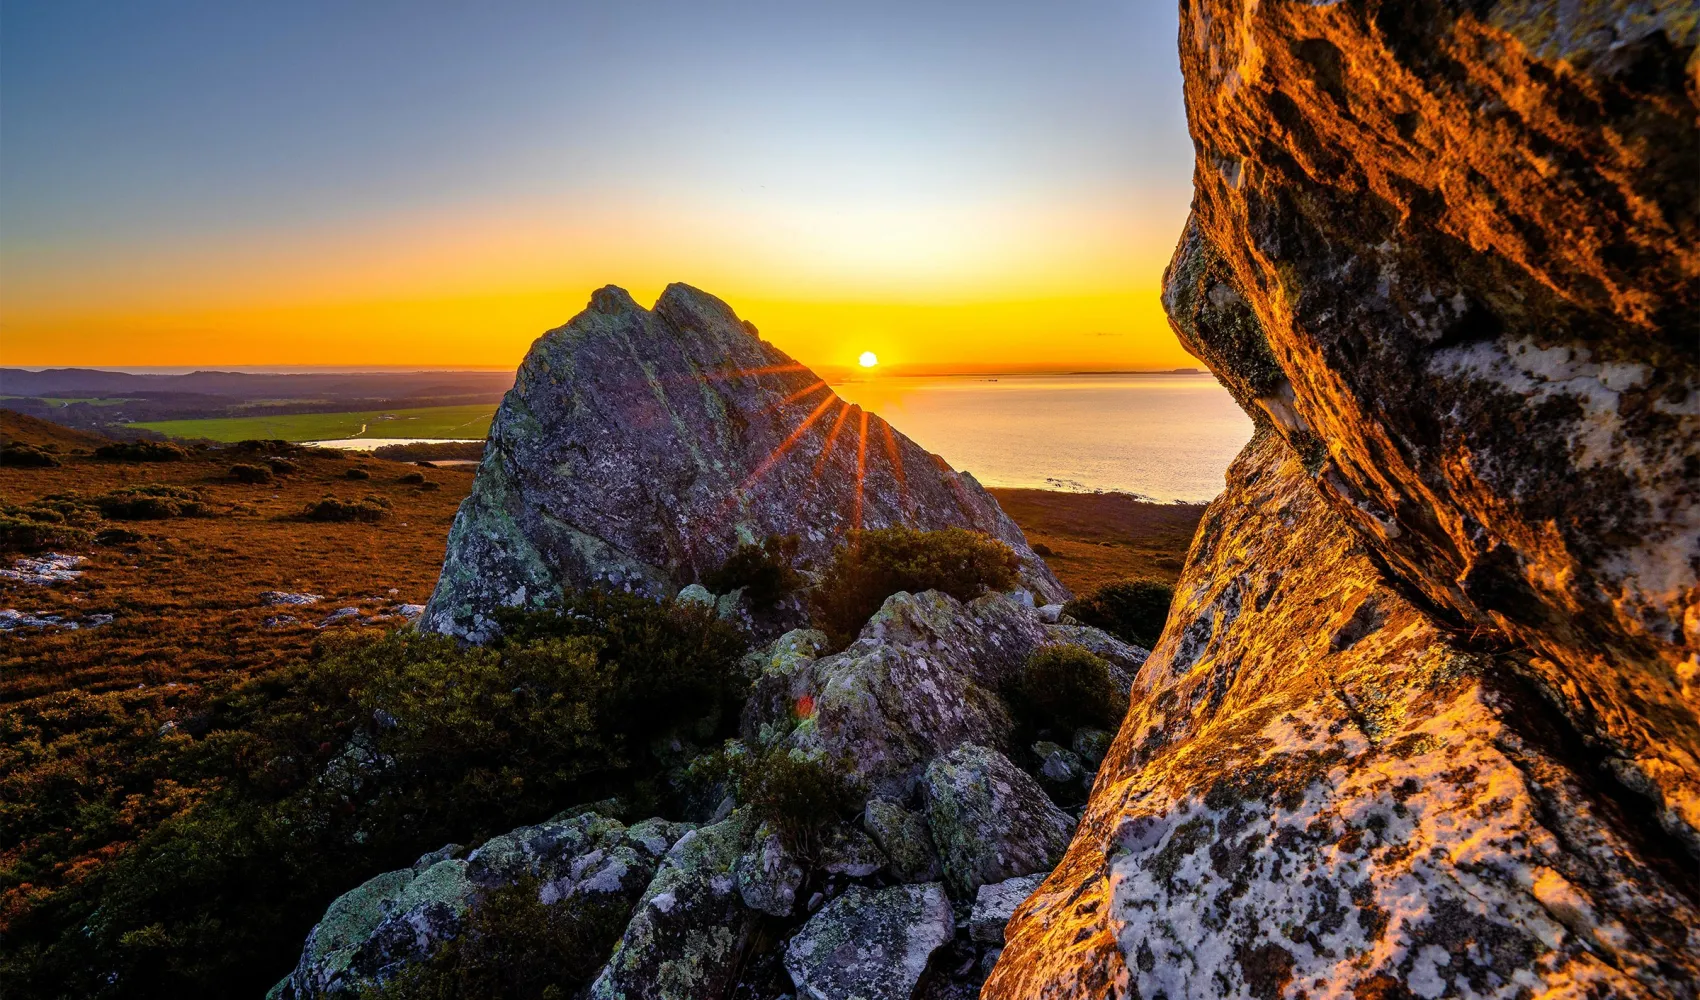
{"x": 1164, "y": 437}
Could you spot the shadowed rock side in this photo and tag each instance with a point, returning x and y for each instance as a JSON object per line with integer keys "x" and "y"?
{"x": 1320, "y": 792}
{"x": 1423, "y": 719}
{"x": 639, "y": 447}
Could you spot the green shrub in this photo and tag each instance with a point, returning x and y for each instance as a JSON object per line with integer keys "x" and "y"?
{"x": 765, "y": 570}
{"x": 118, "y": 536}
{"x": 356, "y": 474}
{"x": 679, "y": 661}
{"x": 1133, "y": 609}
{"x": 1068, "y": 686}
{"x": 23, "y": 534}
{"x": 369, "y": 508}
{"x": 282, "y": 466}
{"x": 429, "y": 485}
{"x": 141, "y": 451}
{"x": 873, "y": 565}
{"x": 412, "y": 478}
{"x": 275, "y": 446}
{"x": 796, "y": 793}
{"x": 26, "y": 456}
{"x": 250, "y": 473}
{"x": 152, "y": 503}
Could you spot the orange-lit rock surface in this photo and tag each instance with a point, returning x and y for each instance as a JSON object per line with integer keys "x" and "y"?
{"x": 1423, "y": 722}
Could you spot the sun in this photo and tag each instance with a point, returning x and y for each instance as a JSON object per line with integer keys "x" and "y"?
{"x": 868, "y": 359}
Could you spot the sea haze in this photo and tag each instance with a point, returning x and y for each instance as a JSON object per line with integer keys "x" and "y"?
{"x": 1165, "y": 437}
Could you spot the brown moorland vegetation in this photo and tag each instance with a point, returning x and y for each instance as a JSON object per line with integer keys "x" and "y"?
{"x": 1096, "y": 538}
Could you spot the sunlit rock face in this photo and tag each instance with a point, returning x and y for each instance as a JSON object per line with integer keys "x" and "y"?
{"x": 638, "y": 447}
{"x": 1423, "y": 720}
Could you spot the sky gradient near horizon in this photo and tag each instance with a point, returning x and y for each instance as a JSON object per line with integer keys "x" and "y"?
{"x": 950, "y": 185}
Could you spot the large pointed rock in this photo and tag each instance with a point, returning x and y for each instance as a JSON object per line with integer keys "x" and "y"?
{"x": 639, "y": 447}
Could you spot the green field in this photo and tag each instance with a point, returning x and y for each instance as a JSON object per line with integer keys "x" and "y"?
{"x": 430, "y": 422}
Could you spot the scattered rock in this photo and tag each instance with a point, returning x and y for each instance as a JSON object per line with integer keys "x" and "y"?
{"x": 11, "y": 620}
{"x": 768, "y": 875}
{"x": 341, "y": 616}
{"x": 995, "y": 903}
{"x": 52, "y": 567}
{"x": 903, "y": 836}
{"x": 870, "y": 945}
{"x": 1090, "y": 745}
{"x": 410, "y": 611}
{"x": 990, "y": 820}
{"x": 1061, "y": 772}
{"x": 275, "y": 597}
{"x": 1051, "y": 614}
{"x": 847, "y": 851}
{"x": 639, "y": 448}
{"x": 280, "y": 621}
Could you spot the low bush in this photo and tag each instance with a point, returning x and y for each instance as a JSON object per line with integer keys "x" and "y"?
{"x": 141, "y": 451}
{"x": 275, "y": 446}
{"x": 118, "y": 536}
{"x": 765, "y": 571}
{"x": 431, "y": 451}
{"x": 873, "y": 565}
{"x": 1133, "y": 609}
{"x": 1068, "y": 686}
{"x": 26, "y": 456}
{"x": 371, "y": 507}
{"x": 796, "y": 793}
{"x": 282, "y": 466}
{"x": 250, "y": 473}
{"x": 152, "y": 503}
{"x": 412, "y": 478}
{"x": 24, "y": 534}
{"x": 356, "y": 474}
{"x": 429, "y": 485}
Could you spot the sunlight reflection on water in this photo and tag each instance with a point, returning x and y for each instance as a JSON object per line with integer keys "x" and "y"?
{"x": 1167, "y": 437}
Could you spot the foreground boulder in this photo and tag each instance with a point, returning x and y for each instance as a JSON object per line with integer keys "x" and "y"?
{"x": 992, "y": 822}
{"x": 1422, "y": 722}
{"x": 639, "y": 447}
{"x": 870, "y": 945}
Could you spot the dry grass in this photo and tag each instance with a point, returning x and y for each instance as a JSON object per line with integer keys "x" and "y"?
{"x": 1099, "y": 537}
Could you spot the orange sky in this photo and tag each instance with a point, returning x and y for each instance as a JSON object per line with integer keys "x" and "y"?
{"x": 1038, "y": 288}
{"x": 219, "y": 184}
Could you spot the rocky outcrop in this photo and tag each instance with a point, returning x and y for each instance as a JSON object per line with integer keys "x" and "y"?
{"x": 1422, "y": 722}
{"x": 990, "y": 820}
{"x": 639, "y": 447}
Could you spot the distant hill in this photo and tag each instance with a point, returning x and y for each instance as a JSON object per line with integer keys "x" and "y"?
{"x": 25, "y": 429}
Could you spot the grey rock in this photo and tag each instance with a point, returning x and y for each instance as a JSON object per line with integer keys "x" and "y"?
{"x": 870, "y": 945}
{"x": 341, "y": 616}
{"x": 923, "y": 677}
{"x": 1090, "y": 745}
{"x": 696, "y": 593}
{"x": 768, "y": 875}
{"x": 995, "y": 903}
{"x": 639, "y": 447}
{"x": 51, "y": 567}
{"x": 903, "y": 836}
{"x": 990, "y": 821}
{"x": 847, "y": 851}
{"x": 1050, "y": 614}
{"x": 1061, "y": 771}
{"x": 689, "y": 925}
{"x": 273, "y": 598}
{"x": 583, "y": 860}
{"x": 370, "y": 932}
